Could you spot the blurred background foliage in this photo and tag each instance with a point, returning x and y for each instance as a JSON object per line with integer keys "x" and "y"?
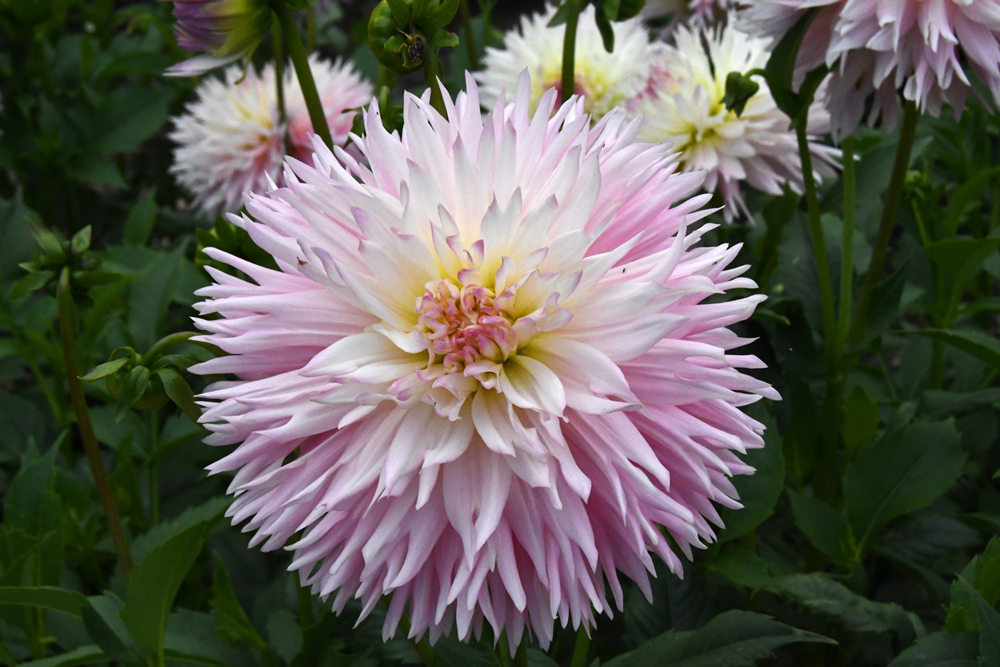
{"x": 886, "y": 545}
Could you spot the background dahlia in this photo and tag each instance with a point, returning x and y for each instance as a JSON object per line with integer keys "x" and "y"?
{"x": 688, "y": 112}
{"x": 605, "y": 79}
{"x": 230, "y": 138}
{"x": 221, "y": 31}
{"x": 878, "y": 47}
{"x": 484, "y": 379}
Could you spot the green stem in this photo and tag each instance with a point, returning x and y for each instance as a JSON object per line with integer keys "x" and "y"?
{"x": 521, "y": 657}
{"x": 582, "y": 648}
{"x": 311, "y": 28}
{"x": 304, "y": 599}
{"x": 433, "y": 74}
{"x": 86, "y": 428}
{"x": 164, "y": 344}
{"x": 300, "y": 60}
{"x": 154, "y": 469}
{"x": 485, "y": 9}
{"x": 847, "y": 251}
{"x": 569, "y": 51}
{"x": 819, "y": 250}
{"x": 279, "y": 80}
{"x": 422, "y": 647}
{"x": 880, "y": 252}
{"x": 470, "y": 39}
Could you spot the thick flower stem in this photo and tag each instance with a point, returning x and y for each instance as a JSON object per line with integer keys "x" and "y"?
{"x": 569, "y": 51}
{"x": 847, "y": 247}
{"x": 87, "y": 429}
{"x": 300, "y": 60}
{"x": 880, "y": 251}
{"x": 581, "y": 649}
{"x": 521, "y": 657}
{"x": 826, "y": 477}
{"x": 470, "y": 39}
{"x": 819, "y": 250}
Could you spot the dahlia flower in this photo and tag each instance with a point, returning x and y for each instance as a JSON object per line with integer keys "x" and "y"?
{"x": 222, "y": 30}
{"x": 485, "y": 378}
{"x": 689, "y": 113}
{"x": 604, "y": 79}
{"x": 230, "y": 139}
{"x": 878, "y": 47}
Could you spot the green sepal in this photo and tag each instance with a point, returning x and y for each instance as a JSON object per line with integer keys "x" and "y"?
{"x": 104, "y": 370}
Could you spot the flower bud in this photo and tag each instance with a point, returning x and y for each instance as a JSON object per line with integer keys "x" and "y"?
{"x": 222, "y": 30}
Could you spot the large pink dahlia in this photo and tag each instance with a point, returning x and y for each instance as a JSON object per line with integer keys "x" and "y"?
{"x": 877, "y": 47}
{"x": 485, "y": 378}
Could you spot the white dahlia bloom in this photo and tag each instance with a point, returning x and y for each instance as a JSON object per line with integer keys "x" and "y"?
{"x": 230, "y": 139}
{"x": 925, "y": 48}
{"x": 487, "y": 377}
{"x": 605, "y": 79}
{"x": 688, "y": 112}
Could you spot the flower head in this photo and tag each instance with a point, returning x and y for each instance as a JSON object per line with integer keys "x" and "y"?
{"x": 604, "y": 79}
{"x": 231, "y": 140}
{"x": 879, "y": 47}
{"x": 221, "y": 30}
{"x": 485, "y": 377}
{"x": 689, "y": 112}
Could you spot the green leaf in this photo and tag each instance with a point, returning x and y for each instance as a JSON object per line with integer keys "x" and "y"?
{"x": 904, "y": 471}
{"x": 85, "y": 655}
{"x": 739, "y": 89}
{"x": 46, "y": 597}
{"x": 211, "y": 511}
{"x": 130, "y": 389}
{"x": 759, "y": 492}
{"x": 234, "y": 624}
{"x": 102, "y": 619}
{"x": 989, "y": 627}
{"x": 827, "y": 598}
{"x": 104, "y": 370}
{"x": 141, "y": 220}
{"x": 982, "y": 346}
{"x": 97, "y": 170}
{"x": 962, "y": 258}
{"x": 968, "y": 194}
{"x": 734, "y": 639}
{"x": 983, "y": 574}
{"x": 95, "y": 278}
{"x": 604, "y": 27}
{"x": 31, "y": 282}
{"x": 193, "y": 637}
{"x": 861, "y": 419}
{"x": 742, "y": 566}
{"x": 80, "y": 242}
{"x": 780, "y": 66}
{"x": 179, "y": 392}
{"x": 128, "y": 117}
{"x": 154, "y": 585}
{"x": 823, "y": 526}
{"x": 940, "y": 649}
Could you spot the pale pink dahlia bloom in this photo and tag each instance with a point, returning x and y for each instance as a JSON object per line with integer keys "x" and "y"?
{"x": 756, "y": 148}
{"x": 230, "y": 140}
{"x": 878, "y": 47}
{"x": 485, "y": 377}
